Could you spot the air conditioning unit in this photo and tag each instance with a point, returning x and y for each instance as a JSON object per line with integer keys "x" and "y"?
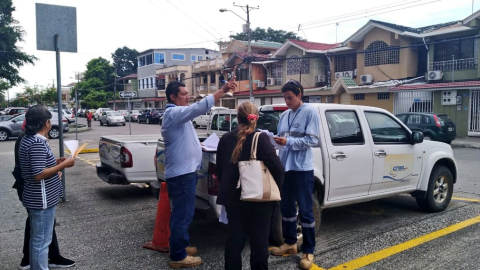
{"x": 366, "y": 79}
{"x": 320, "y": 78}
{"x": 434, "y": 75}
{"x": 261, "y": 84}
{"x": 348, "y": 74}
{"x": 270, "y": 81}
{"x": 338, "y": 75}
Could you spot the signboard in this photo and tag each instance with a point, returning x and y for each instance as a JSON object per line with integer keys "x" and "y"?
{"x": 54, "y": 20}
{"x": 127, "y": 94}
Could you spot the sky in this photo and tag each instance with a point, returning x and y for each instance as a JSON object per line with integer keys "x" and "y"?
{"x": 103, "y": 26}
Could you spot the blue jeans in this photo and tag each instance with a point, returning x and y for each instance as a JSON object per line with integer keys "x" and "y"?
{"x": 41, "y": 223}
{"x": 181, "y": 191}
{"x": 298, "y": 188}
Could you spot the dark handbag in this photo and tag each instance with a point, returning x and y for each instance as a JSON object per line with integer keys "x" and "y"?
{"x": 18, "y": 185}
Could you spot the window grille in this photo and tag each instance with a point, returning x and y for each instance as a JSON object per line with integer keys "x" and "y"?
{"x": 296, "y": 66}
{"x": 379, "y": 53}
{"x": 345, "y": 62}
{"x": 383, "y": 96}
{"x": 359, "y": 97}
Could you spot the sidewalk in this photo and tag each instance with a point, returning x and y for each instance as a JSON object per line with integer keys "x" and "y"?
{"x": 466, "y": 142}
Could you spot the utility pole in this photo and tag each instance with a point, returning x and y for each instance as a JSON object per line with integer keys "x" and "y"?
{"x": 115, "y": 87}
{"x": 76, "y": 106}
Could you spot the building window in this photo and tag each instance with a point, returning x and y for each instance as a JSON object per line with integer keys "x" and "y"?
{"x": 460, "y": 49}
{"x": 193, "y": 57}
{"x": 151, "y": 82}
{"x": 159, "y": 58}
{"x": 242, "y": 74}
{"x": 359, "y": 97}
{"x": 149, "y": 59}
{"x": 296, "y": 65}
{"x": 206, "y": 51}
{"x": 199, "y": 57}
{"x": 276, "y": 72}
{"x": 379, "y": 53}
{"x": 141, "y": 61}
{"x": 345, "y": 62}
{"x": 383, "y": 96}
{"x": 178, "y": 56}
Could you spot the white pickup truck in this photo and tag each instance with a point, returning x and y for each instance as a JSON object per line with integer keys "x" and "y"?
{"x": 127, "y": 159}
{"x": 203, "y": 120}
{"x": 365, "y": 153}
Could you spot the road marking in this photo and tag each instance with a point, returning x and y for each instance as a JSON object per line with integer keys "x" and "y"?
{"x": 314, "y": 266}
{"x": 84, "y": 151}
{"x": 465, "y": 199}
{"x": 387, "y": 252}
{"x": 86, "y": 161}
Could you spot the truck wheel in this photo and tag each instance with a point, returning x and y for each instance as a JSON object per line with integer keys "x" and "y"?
{"x": 317, "y": 215}
{"x": 440, "y": 190}
{"x": 195, "y": 125}
{"x": 276, "y": 235}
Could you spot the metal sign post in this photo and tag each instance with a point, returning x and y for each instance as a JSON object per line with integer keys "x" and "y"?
{"x": 57, "y": 31}
{"x": 128, "y": 95}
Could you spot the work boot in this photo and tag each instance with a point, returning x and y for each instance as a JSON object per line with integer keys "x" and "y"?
{"x": 306, "y": 261}
{"x": 284, "y": 249}
{"x": 189, "y": 261}
{"x": 191, "y": 250}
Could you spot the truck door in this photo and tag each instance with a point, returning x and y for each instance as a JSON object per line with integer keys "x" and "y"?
{"x": 396, "y": 162}
{"x": 349, "y": 155}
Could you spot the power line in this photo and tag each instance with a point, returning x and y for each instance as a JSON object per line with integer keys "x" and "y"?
{"x": 206, "y": 23}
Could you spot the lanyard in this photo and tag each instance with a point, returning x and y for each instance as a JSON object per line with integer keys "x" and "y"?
{"x": 290, "y": 124}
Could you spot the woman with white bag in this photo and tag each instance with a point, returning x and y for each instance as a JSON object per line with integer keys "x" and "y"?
{"x": 246, "y": 217}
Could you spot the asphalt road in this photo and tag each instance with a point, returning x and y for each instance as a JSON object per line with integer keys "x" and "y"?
{"x": 103, "y": 226}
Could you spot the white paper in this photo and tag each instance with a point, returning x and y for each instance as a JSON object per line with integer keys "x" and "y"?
{"x": 72, "y": 146}
{"x": 223, "y": 216}
{"x": 211, "y": 143}
{"x": 271, "y": 136}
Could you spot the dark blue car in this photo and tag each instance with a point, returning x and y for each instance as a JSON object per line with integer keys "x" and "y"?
{"x": 150, "y": 115}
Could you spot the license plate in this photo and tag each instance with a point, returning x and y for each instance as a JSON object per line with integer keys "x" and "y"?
{"x": 450, "y": 129}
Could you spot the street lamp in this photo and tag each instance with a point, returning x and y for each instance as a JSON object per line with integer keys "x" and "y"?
{"x": 249, "y": 50}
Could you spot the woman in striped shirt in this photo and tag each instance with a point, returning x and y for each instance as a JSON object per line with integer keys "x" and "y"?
{"x": 42, "y": 187}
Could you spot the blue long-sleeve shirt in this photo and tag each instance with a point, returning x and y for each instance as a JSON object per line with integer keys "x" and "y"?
{"x": 302, "y": 130}
{"x": 183, "y": 153}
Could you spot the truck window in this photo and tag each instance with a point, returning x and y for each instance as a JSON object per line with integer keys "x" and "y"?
{"x": 385, "y": 130}
{"x": 222, "y": 122}
{"x": 269, "y": 120}
{"x": 344, "y": 127}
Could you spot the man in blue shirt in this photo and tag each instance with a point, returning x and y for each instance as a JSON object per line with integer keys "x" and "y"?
{"x": 183, "y": 156}
{"x": 298, "y": 131}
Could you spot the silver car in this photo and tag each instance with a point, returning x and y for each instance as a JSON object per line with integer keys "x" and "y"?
{"x": 112, "y": 118}
{"x": 13, "y": 127}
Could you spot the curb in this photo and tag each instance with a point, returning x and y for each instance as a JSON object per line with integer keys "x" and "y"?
{"x": 465, "y": 146}
{"x": 72, "y": 130}
{"x": 85, "y": 151}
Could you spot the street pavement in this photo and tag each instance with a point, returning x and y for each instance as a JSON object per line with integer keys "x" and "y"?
{"x": 103, "y": 226}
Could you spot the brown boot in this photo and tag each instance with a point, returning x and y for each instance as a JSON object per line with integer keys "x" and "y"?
{"x": 191, "y": 250}
{"x": 189, "y": 261}
{"x": 306, "y": 261}
{"x": 284, "y": 249}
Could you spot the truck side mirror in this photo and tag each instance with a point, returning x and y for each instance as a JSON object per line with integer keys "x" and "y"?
{"x": 417, "y": 137}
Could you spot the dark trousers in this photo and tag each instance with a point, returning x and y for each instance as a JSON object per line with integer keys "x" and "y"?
{"x": 53, "y": 250}
{"x": 253, "y": 218}
{"x": 297, "y": 189}
{"x": 89, "y": 123}
{"x": 181, "y": 191}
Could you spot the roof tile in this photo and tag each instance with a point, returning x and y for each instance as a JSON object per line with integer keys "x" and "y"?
{"x": 435, "y": 85}
{"x": 307, "y": 45}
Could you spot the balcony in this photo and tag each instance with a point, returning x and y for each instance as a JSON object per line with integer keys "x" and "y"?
{"x": 161, "y": 93}
{"x": 460, "y": 64}
{"x": 208, "y": 65}
{"x": 204, "y": 89}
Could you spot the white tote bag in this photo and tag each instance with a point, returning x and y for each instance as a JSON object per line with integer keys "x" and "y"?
{"x": 255, "y": 180}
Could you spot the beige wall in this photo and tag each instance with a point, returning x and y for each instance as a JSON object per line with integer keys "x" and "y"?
{"x": 406, "y": 68}
{"x": 371, "y": 99}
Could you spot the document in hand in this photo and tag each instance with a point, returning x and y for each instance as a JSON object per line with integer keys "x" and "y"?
{"x": 211, "y": 143}
{"x": 72, "y": 146}
{"x": 274, "y": 143}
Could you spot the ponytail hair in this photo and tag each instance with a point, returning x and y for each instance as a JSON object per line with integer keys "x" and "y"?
{"x": 247, "y": 116}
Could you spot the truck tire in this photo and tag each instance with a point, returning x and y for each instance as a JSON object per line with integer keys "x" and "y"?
{"x": 276, "y": 235}
{"x": 439, "y": 192}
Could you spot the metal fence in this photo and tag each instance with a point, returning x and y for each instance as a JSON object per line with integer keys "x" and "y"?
{"x": 413, "y": 101}
{"x": 460, "y": 64}
{"x": 474, "y": 125}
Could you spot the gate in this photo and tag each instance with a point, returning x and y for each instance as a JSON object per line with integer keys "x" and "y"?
{"x": 413, "y": 101}
{"x": 474, "y": 119}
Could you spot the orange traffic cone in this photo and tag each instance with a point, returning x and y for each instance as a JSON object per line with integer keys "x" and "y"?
{"x": 161, "y": 232}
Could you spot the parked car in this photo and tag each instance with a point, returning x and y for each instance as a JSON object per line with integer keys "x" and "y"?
{"x": 112, "y": 118}
{"x": 202, "y": 120}
{"x": 133, "y": 115}
{"x": 81, "y": 113}
{"x": 13, "y": 127}
{"x": 99, "y": 112}
{"x": 14, "y": 111}
{"x": 150, "y": 115}
{"x": 2, "y": 111}
{"x": 124, "y": 113}
{"x": 6, "y": 117}
{"x": 68, "y": 114}
{"x": 435, "y": 127}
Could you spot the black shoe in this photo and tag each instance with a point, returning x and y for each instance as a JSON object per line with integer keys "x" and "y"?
{"x": 24, "y": 264}
{"x": 60, "y": 262}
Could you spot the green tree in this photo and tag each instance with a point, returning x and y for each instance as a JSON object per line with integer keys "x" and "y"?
{"x": 19, "y": 101}
{"x": 11, "y": 57}
{"x": 33, "y": 95}
{"x": 49, "y": 96}
{"x": 268, "y": 34}
{"x": 96, "y": 99}
{"x": 125, "y": 59}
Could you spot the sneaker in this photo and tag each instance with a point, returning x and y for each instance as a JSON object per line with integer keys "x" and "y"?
{"x": 306, "y": 261}
{"x": 60, "y": 262}
{"x": 24, "y": 264}
{"x": 191, "y": 250}
{"x": 284, "y": 249}
{"x": 189, "y": 261}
